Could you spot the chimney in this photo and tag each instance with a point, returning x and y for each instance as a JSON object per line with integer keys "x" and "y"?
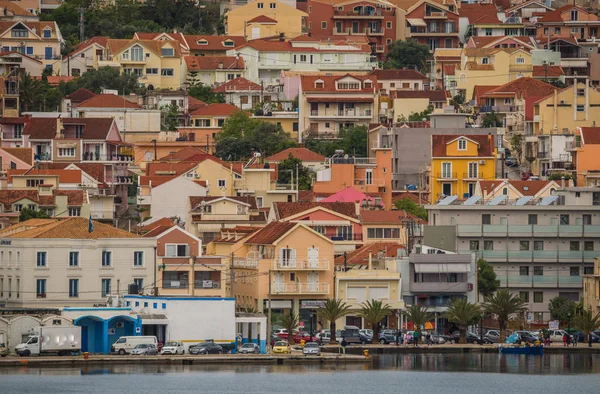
{"x": 59, "y": 128}
{"x": 357, "y": 208}
{"x": 281, "y": 37}
{"x": 370, "y": 260}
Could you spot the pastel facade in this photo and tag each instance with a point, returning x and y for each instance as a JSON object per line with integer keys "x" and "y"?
{"x": 40, "y": 40}
{"x": 260, "y": 19}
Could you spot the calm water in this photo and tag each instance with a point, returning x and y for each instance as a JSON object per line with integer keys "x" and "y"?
{"x": 431, "y": 373}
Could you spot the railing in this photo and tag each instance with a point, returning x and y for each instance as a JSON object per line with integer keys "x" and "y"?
{"x": 513, "y": 20}
{"x": 375, "y": 31}
{"x": 446, "y": 175}
{"x": 439, "y": 287}
{"x": 299, "y": 288}
{"x": 93, "y": 156}
{"x": 367, "y": 182}
{"x": 299, "y": 264}
{"x": 102, "y": 214}
{"x": 501, "y": 108}
{"x": 344, "y": 113}
{"x": 436, "y": 14}
{"x": 241, "y": 262}
{"x": 207, "y": 284}
{"x": 375, "y": 13}
{"x": 174, "y": 284}
{"x": 351, "y": 160}
{"x": 543, "y": 155}
{"x": 43, "y": 157}
{"x": 344, "y": 237}
{"x": 473, "y": 175}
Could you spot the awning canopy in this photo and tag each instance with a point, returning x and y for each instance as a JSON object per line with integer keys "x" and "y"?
{"x": 416, "y": 22}
{"x": 154, "y": 319}
{"x": 339, "y": 99}
{"x": 442, "y": 268}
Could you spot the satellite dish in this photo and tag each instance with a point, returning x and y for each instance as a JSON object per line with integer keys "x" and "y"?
{"x": 346, "y": 156}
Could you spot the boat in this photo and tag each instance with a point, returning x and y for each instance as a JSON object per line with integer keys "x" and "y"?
{"x": 527, "y": 350}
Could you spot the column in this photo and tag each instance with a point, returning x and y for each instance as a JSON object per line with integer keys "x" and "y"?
{"x": 105, "y": 344}
{"x": 245, "y": 332}
{"x": 262, "y": 327}
{"x": 296, "y": 306}
{"x": 253, "y": 334}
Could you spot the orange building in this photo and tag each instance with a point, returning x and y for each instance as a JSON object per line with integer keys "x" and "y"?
{"x": 586, "y": 150}
{"x": 371, "y": 175}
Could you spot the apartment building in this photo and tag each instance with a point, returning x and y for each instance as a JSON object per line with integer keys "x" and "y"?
{"x": 214, "y": 70}
{"x": 432, "y": 23}
{"x": 212, "y": 116}
{"x": 585, "y": 152}
{"x": 84, "y": 57}
{"x": 40, "y": 40}
{"x": 486, "y": 20}
{"x": 260, "y": 19}
{"x": 539, "y": 249}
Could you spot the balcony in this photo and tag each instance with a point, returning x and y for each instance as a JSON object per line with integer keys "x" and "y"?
{"x": 446, "y": 176}
{"x": 105, "y": 214}
{"x": 301, "y": 264}
{"x": 344, "y": 237}
{"x": 519, "y": 68}
{"x": 543, "y": 155}
{"x": 46, "y": 156}
{"x": 515, "y": 281}
{"x": 175, "y": 284}
{"x": 377, "y": 14}
{"x": 341, "y": 32}
{"x": 472, "y": 175}
{"x": 438, "y": 287}
{"x": 108, "y": 61}
{"x": 570, "y": 231}
{"x": 375, "y": 31}
{"x": 545, "y": 281}
{"x": 340, "y": 114}
{"x": 418, "y": 31}
{"x": 495, "y": 230}
{"x": 469, "y": 230}
{"x": 570, "y": 281}
{"x": 369, "y": 182}
{"x": 240, "y": 262}
{"x": 435, "y": 15}
{"x": 96, "y": 156}
{"x": 501, "y": 108}
{"x": 300, "y": 288}
{"x": 495, "y": 255}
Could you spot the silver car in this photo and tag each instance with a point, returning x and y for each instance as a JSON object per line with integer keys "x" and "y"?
{"x": 249, "y": 348}
{"x": 145, "y": 349}
{"x": 311, "y": 348}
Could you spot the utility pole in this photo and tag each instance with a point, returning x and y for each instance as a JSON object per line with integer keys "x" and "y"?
{"x": 269, "y": 316}
{"x": 81, "y": 25}
{"x": 193, "y": 275}
{"x": 232, "y": 272}
{"x": 155, "y": 268}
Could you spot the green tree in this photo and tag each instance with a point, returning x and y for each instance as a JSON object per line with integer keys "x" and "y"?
{"x": 491, "y": 119}
{"x": 419, "y": 116}
{"x": 418, "y": 315}
{"x": 107, "y": 78}
{"x": 463, "y": 313}
{"x": 202, "y": 92}
{"x": 561, "y": 309}
{"x": 170, "y": 115}
{"x": 487, "y": 283}
{"x": 354, "y": 140}
{"x": 503, "y": 304}
{"x": 587, "y": 322}
{"x": 304, "y": 175}
{"x": 516, "y": 144}
{"x": 408, "y": 53}
{"x": 332, "y": 310}
{"x": 374, "y": 312}
{"x": 290, "y": 323}
{"x": 31, "y": 92}
{"x": 408, "y": 205}
{"x": 557, "y": 176}
{"x": 27, "y": 214}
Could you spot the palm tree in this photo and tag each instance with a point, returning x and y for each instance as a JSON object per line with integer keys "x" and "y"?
{"x": 463, "y": 313}
{"x": 290, "y": 322}
{"x": 374, "y": 312}
{"x": 587, "y": 322}
{"x": 418, "y": 315}
{"x": 30, "y": 91}
{"x": 332, "y": 310}
{"x": 503, "y": 304}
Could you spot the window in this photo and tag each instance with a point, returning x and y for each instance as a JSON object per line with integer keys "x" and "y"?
{"x": 137, "y": 54}
{"x": 383, "y": 233}
{"x": 523, "y": 270}
{"x": 524, "y": 295}
{"x": 473, "y": 245}
{"x": 105, "y": 287}
{"x": 473, "y": 170}
{"x": 66, "y": 152}
{"x": 151, "y": 71}
{"x": 538, "y": 297}
{"x": 303, "y": 58}
{"x": 446, "y": 170}
{"x": 538, "y": 271}
{"x": 574, "y": 15}
{"x": 166, "y": 72}
{"x": 462, "y": 144}
{"x": 40, "y": 288}
{"x": 230, "y": 77}
{"x": 574, "y": 271}
{"x": 488, "y": 245}
{"x": 18, "y": 207}
{"x": 574, "y": 245}
{"x": 485, "y": 60}
{"x": 532, "y": 219}
{"x": 520, "y": 60}
{"x": 79, "y": 131}
{"x": 580, "y": 92}
{"x": 588, "y": 270}
{"x": 524, "y": 245}
{"x": 388, "y": 25}
{"x": 295, "y": 126}
{"x": 47, "y": 33}
{"x": 260, "y": 5}
{"x": 259, "y": 201}
{"x": 76, "y": 72}
{"x": 16, "y": 32}
{"x": 588, "y": 245}
{"x": 106, "y": 258}
{"x": 73, "y": 287}
{"x": 564, "y": 220}
{"x": 273, "y": 5}
{"x": 41, "y": 259}
{"x": 538, "y": 245}
{"x": 587, "y": 220}
{"x": 18, "y": 131}
{"x": 323, "y": 25}
{"x": 73, "y": 259}
{"x": 174, "y": 250}
{"x": 34, "y": 182}
{"x": 139, "y": 282}
{"x": 75, "y": 212}
{"x": 486, "y": 218}
{"x": 488, "y": 32}
{"x": 138, "y": 258}
{"x": 167, "y": 51}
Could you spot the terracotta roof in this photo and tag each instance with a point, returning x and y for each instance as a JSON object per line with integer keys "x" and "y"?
{"x": 196, "y": 200}
{"x": 305, "y": 196}
{"x": 7, "y": 120}
{"x": 117, "y": 45}
{"x": 449, "y": 69}
{"x": 238, "y": 167}
{"x": 438, "y": 144}
{"x": 483, "y": 52}
{"x": 200, "y": 63}
{"x": 154, "y": 36}
{"x": 64, "y": 176}
{"x": 9, "y": 196}
{"x": 303, "y": 154}
{"x": 45, "y": 128}
{"x": 238, "y": 84}
{"x": 107, "y": 101}
{"x": 71, "y": 228}
{"x": 476, "y": 12}
{"x": 329, "y": 83}
{"x": 145, "y": 180}
{"x": 482, "y": 42}
{"x": 99, "y": 40}
{"x": 32, "y": 25}
{"x": 399, "y": 74}
{"x": 214, "y": 43}
{"x": 158, "y": 230}
{"x": 432, "y": 95}
{"x": 216, "y": 110}
{"x": 194, "y": 104}
{"x": 287, "y": 209}
{"x": 95, "y": 170}
{"x": 275, "y": 45}
{"x": 590, "y": 135}
{"x": 361, "y": 255}
{"x": 556, "y": 15}
{"x": 157, "y": 223}
{"x": 262, "y": 19}
{"x": 80, "y": 95}
{"x": 75, "y": 198}
{"x": 183, "y": 154}
{"x": 15, "y": 9}
{"x": 414, "y": 196}
{"x": 348, "y": 194}
{"x": 168, "y": 169}
{"x": 270, "y": 233}
{"x": 480, "y": 90}
{"x": 526, "y": 188}
{"x": 23, "y": 154}
{"x": 548, "y": 71}
{"x": 474, "y": 66}
{"x": 524, "y": 87}
{"x": 384, "y": 216}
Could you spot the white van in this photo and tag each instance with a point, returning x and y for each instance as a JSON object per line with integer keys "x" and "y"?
{"x": 124, "y": 345}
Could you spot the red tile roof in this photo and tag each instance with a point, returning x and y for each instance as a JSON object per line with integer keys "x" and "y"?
{"x": 449, "y": 69}
{"x": 439, "y": 142}
{"x": 68, "y": 228}
{"x": 194, "y": 104}
{"x": 270, "y": 233}
{"x": 329, "y": 83}
{"x": 492, "y": 41}
{"x": 45, "y": 128}
{"x": 287, "y": 209}
{"x": 480, "y": 90}
{"x": 348, "y": 194}
{"x": 145, "y": 180}
{"x": 23, "y": 154}
{"x": 64, "y": 176}
{"x": 216, "y": 110}
{"x": 196, "y": 200}
{"x": 556, "y": 15}
{"x": 305, "y": 196}
{"x": 524, "y": 87}
{"x": 80, "y": 95}
{"x": 95, "y": 170}
{"x": 237, "y": 85}
{"x": 274, "y": 45}
{"x": 107, "y": 101}
{"x": 384, "y": 216}
{"x": 548, "y": 71}
{"x": 9, "y": 196}
{"x": 157, "y": 223}
{"x": 168, "y": 169}
{"x": 7, "y": 120}
{"x": 100, "y": 40}
{"x": 432, "y": 95}
{"x": 153, "y": 36}
{"x": 200, "y": 63}
{"x": 526, "y": 188}
{"x": 214, "y": 43}
{"x": 361, "y": 255}
{"x": 383, "y": 75}
{"x": 262, "y": 19}
{"x": 414, "y": 196}
{"x": 303, "y": 154}
{"x": 590, "y": 135}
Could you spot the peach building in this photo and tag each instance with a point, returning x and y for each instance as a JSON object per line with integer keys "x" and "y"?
{"x": 585, "y": 151}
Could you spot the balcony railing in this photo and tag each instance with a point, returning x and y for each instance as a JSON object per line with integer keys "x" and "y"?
{"x": 240, "y": 262}
{"x": 473, "y": 175}
{"x": 520, "y": 68}
{"x": 207, "y": 284}
{"x": 446, "y": 175}
{"x": 501, "y": 108}
{"x": 43, "y": 157}
{"x": 436, "y": 15}
{"x": 301, "y": 264}
{"x": 367, "y": 182}
{"x": 175, "y": 284}
{"x": 543, "y": 155}
{"x": 344, "y": 237}
{"x": 93, "y": 156}
{"x": 363, "y": 13}
{"x": 299, "y": 288}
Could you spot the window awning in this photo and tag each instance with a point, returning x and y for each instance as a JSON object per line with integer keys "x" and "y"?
{"x": 442, "y": 268}
{"x": 416, "y": 22}
{"x": 154, "y": 319}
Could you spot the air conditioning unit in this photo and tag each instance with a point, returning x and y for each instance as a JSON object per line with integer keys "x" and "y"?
{"x": 215, "y": 285}
{"x": 562, "y": 101}
{"x": 482, "y": 162}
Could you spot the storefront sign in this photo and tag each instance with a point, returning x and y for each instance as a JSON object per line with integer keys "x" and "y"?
{"x": 312, "y": 304}
{"x": 553, "y": 325}
{"x": 100, "y": 305}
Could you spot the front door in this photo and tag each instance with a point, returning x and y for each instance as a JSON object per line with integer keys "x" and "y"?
{"x": 278, "y": 282}
{"x": 313, "y": 281}
{"x": 471, "y": 189}
{"x": 355, "y": 27}
{"x": 48, "y": 53}
{"x": 447, "y": 189}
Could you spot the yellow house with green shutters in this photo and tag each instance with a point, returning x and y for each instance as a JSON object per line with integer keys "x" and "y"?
{"x": 458, "y": 162}
{"x": 158, "y": 64}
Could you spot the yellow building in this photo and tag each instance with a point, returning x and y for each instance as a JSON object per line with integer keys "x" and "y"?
{"x": 156, "y": 63}
{"x": 491, "y": 66}
{"x": 287, "y": 120}
{"x": 212, "y": 116}
{"x": 591, "y": 289}
{"x": 262, "y": 183}
{"x": 458, "y": 162}
{"x": 40, "y": 40}
{"x": 408, "y": 102}
{"x": 260, "y": 19}
{"x": 555, "y": 121}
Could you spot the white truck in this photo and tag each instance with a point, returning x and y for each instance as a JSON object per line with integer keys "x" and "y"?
{"x": 51, "y": 340}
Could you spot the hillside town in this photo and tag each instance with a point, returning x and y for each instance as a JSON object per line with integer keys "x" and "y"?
{"x": 250, "y": 171}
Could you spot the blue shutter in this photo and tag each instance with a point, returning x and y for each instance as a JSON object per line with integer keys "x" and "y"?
{"x": 48, "y": 53}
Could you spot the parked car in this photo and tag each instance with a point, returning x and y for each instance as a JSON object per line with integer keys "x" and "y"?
{"x": 249, "y": 348}
{"x": 145, "y": 349}
{"x": 526, "y": 336}
{"x": 511, "y": 161}
{"x": 3, "y": 350}
{"x": 491, "y": 336}
{"x": 311, "y": 348}
{"x": 556, "y": 335}
{"x": 173, "y": 347}
{"x": 366, "y": 332}
{"x": 437, "y": 338}
{"x": 206, "y": 348}
{"x": 387, "y": 336}
{"x": 282, "y": 347}
{"x": 471, "y": 338}
{"x": 351, "y": 334}
{"x": 581, "y": 337}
